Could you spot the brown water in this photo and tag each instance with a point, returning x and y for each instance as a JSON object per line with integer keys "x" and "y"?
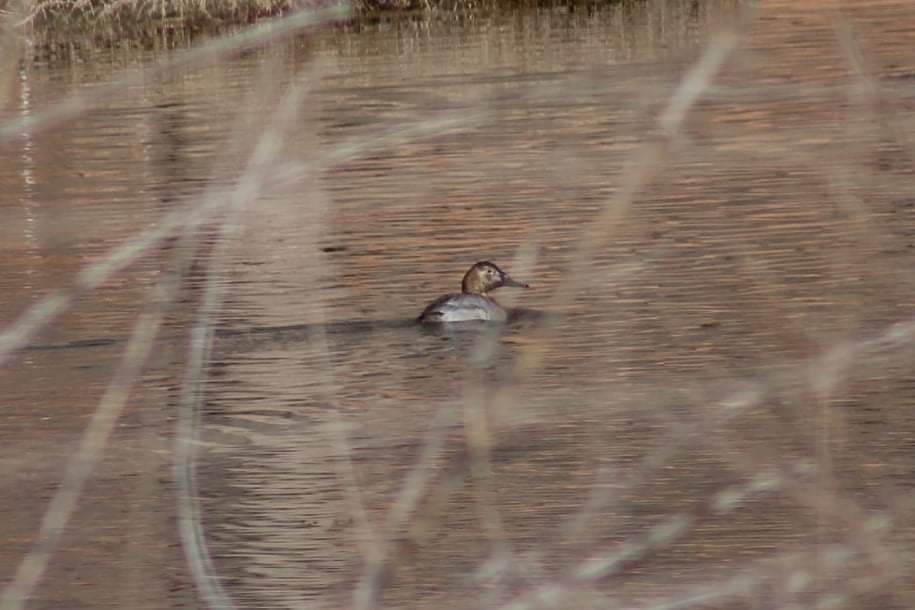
{"x": 732, "y": 335}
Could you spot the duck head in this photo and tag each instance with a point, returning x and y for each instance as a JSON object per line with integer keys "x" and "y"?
{"x": 485, "y": 276}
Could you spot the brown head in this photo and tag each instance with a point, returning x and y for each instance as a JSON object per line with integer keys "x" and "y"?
{"x": 485, "y": 276}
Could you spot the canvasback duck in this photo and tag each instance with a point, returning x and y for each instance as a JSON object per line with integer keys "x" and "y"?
{"x": 473, "y": 302}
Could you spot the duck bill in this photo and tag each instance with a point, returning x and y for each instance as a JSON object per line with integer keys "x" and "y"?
{"x": 510, "y": 281}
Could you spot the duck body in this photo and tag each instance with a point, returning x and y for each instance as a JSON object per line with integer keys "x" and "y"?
{"x": 473, "y": 302}
{"x": 461, "y": 307}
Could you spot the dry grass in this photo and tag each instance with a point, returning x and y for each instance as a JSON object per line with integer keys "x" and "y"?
{"x": 146, "y": 21}
{"x": 268, "y": 171}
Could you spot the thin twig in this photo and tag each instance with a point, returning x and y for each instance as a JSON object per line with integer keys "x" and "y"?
{"x": 416, "y": 482}
{"x": 250, "y": 186}
{"x": 82, "y": 464}
{"x": 602, "y": 564}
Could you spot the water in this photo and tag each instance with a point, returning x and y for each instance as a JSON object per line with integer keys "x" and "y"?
{"x": 712, "y": 350}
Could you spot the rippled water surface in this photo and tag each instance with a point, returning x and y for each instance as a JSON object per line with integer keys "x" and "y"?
{"x": 707, "y": 396}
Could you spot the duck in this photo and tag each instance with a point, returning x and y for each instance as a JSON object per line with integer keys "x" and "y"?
{"x": 473, "y": 302}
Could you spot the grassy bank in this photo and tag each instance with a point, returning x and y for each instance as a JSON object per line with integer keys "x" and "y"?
{"x": 143, "y": 19}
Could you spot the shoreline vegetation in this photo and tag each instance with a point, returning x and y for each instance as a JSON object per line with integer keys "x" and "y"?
{"x": 139, "y": 20}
